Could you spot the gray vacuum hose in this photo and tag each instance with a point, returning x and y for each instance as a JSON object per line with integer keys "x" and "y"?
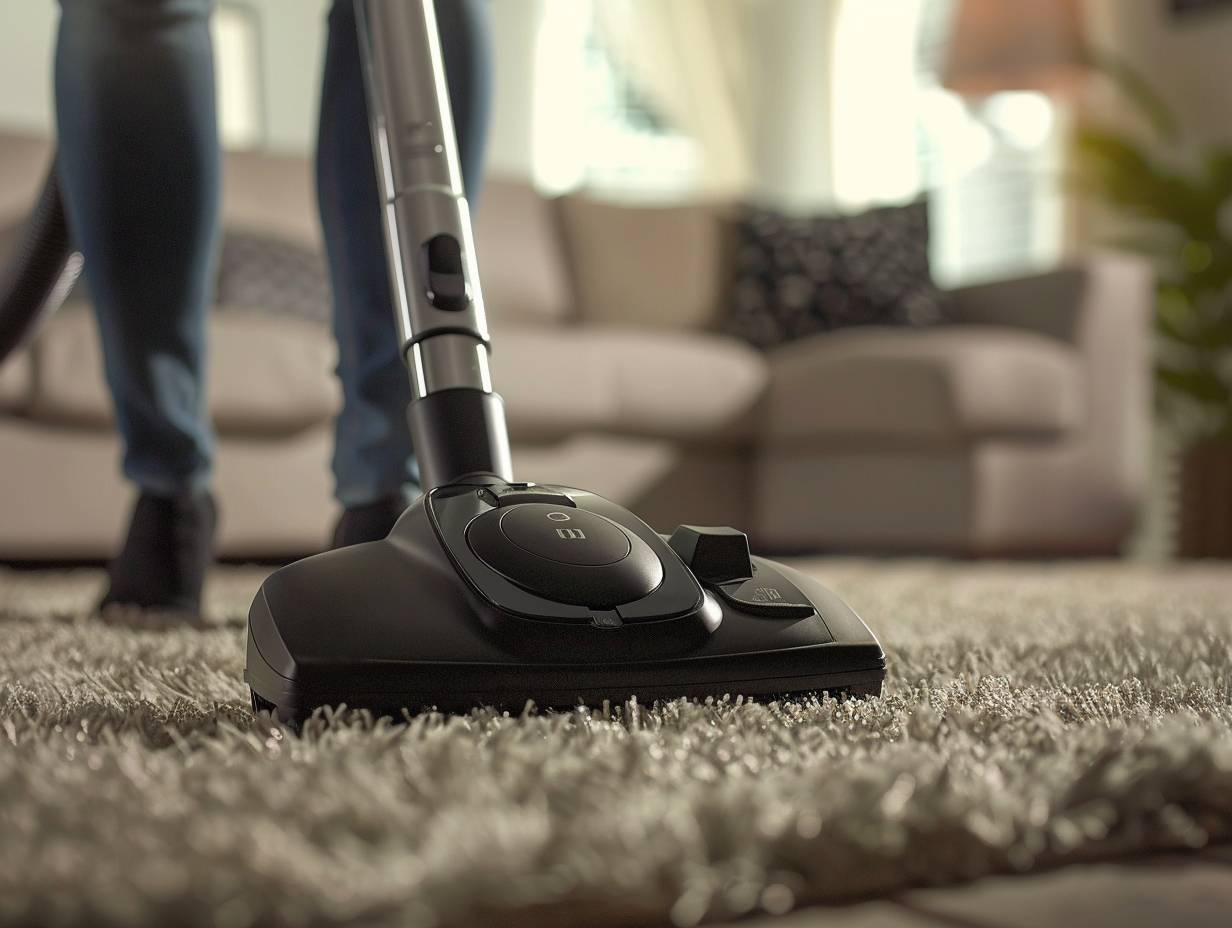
{"x": 40, "y": 273}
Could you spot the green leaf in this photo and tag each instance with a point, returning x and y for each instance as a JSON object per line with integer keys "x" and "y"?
{"x": 1197, "y": 383}
{"x": 1217, "y": 167}
{"x": 1171, "y": 328}
{"x": 1130, "y": 179}
{"x": 1148, "y": 245}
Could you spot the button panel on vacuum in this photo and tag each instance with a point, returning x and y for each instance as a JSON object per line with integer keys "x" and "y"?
{"x": 566, "y": 554}
{"x": 570, "y": 536}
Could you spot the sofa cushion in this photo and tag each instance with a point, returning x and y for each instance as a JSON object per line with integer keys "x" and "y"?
{"x": 645, "y": 266}
{"x": 517, "y": 240}
{"x": 267, "y": 375}
{"x": 692, "y": 387}
{"x": 941, "y": 385}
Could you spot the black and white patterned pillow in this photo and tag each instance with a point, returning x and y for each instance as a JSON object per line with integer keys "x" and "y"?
{"x": 795, "y": 276}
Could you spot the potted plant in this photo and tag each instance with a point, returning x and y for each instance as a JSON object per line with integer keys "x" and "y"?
{"x": 1179, "y": 203}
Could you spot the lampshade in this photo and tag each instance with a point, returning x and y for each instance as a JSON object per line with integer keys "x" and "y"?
{"x": 999, "y": 45}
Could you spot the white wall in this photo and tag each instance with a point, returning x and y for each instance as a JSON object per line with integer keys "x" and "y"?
{"x": 292, "y": 46}
{"x": 27, "y": 37}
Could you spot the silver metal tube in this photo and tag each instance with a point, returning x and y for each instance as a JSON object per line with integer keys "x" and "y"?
{"x": 433, "y": 271}
{"x": 454, "y": 361}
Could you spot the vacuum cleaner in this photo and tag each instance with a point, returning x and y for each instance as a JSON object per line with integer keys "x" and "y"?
{"x": 491, "y": 591}
{"x": 496, "y": 591}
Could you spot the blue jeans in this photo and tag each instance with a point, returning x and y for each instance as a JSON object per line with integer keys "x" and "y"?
{"x": 140, "y": 169}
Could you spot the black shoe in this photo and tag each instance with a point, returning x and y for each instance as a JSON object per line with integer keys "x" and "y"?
{"x": 166, "y": 554}
{"x": 370, "y": 522}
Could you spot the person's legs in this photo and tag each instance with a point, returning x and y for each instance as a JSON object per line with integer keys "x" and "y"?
{"x": 373, "y": 462}
{"x": 139, "y": 166}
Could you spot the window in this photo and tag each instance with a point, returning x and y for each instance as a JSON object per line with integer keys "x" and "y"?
{"x": 592, "y": 127}
{"x": 992, "y": 168}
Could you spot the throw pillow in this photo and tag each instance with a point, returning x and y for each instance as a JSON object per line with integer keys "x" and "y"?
{"x": 271, "y": 275}
{"x": 795, "y": 276}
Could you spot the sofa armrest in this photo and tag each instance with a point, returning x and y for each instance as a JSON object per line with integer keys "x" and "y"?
{"x": 1103, "y": 307}
{"x": 1056, "y": 302}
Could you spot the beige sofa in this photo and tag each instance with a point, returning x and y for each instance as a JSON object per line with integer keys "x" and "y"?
{"x": 1019, "y": 431}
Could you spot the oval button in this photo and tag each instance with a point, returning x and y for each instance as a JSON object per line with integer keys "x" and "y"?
{"x": 584, "y": 560}
{"x": 571, "y": 536}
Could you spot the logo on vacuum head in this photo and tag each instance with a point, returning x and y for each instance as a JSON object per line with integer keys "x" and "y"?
{"x": 558, "y": 516}
{"x": 766, "y": 594}
{"x": 576, "y": 533}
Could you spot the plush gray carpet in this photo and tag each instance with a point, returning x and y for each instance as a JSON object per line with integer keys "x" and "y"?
{"x": 1034, "y": 716}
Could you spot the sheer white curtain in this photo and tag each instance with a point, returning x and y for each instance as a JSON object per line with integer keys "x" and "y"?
{"x": 688, "y": 58}
{"x": 747, "y": 80}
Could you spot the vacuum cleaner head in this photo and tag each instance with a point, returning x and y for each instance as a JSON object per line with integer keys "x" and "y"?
{"x": 496, "y": 593}
{"x": 490, "y": 592}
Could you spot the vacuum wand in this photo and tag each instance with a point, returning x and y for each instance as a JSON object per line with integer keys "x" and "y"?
{"x": 457, "y": 422}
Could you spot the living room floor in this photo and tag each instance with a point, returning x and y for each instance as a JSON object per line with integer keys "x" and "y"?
{"x": 1054, "y": 744}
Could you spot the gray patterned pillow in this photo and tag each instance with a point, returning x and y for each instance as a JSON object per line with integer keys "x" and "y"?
{"x": 795, "y": 276}
{"x": 272, "y": 275}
